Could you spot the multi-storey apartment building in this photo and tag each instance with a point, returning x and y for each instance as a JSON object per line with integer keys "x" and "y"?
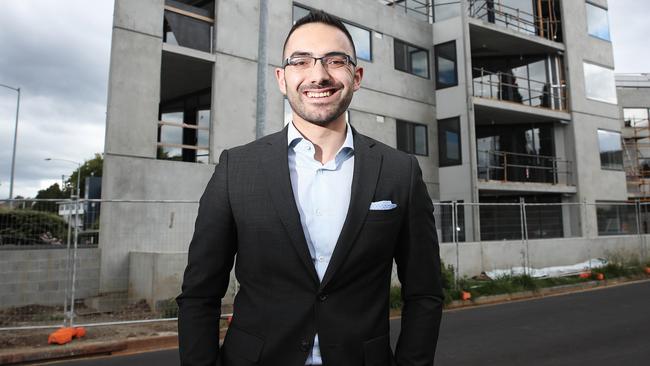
{"x": 501, "y": 101}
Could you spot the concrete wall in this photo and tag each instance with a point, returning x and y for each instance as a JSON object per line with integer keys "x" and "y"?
{"x": 589, "y": 115}
{"x": 157, "y": 277}
{"x": 38, "y": 276}
{"x": 477, "y": 257}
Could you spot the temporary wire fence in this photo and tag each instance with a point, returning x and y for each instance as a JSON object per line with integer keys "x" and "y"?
{"x": 96, "y": 262}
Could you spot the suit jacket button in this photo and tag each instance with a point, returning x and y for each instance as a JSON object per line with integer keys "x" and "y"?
{"x": 322, "y": 296}
{"x": 304, "y": 345}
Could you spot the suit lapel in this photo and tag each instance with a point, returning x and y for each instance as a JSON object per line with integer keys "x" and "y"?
{"x": 276, "y": 170}
{"x": 367, "y": 164}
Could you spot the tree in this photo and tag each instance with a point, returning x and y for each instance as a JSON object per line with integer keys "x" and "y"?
{"x": 92, "y": 167}
{"x": 51, "y": 192}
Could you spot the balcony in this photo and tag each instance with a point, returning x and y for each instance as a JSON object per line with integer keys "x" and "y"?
{"x": 418, "y": 9}
{"x": 540, "y": 19}
{"x": 507, "y": 167}
{"x": 508, "y": 87}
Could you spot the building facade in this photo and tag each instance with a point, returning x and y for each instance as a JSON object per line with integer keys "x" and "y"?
{"x": 501, "y": 101}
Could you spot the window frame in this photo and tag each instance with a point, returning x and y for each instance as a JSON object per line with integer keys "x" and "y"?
{"x": 609, "y": 33}
{"x": 412, "y": 126}
{"x": 442, "y": 142}
{"x": 435, "y": 51}
{"x": 600, "y": 152}
{"x": 647, "y": 109}
{"x": 410, "y": 63}
{"x": 345, "y": 22}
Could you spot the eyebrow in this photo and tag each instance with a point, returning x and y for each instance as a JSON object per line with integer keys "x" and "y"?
{"x": 305, "y": 53}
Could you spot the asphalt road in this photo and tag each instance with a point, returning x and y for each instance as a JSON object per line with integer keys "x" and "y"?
{"x": 602, "y": 327}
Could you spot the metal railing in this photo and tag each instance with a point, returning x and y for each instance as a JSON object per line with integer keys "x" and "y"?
{"x": 514, "y": 167}
{"x": 514, "y": 18}
{"x": 508, "y": 87}
{"x": 419, "y": 9}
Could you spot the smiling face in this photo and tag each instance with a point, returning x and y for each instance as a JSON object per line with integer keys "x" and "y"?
{"x": 317, "y": 94}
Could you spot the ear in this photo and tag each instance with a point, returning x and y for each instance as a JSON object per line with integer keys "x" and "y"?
{"x": 358, "y": 75}
{"x": 279, "y": 76}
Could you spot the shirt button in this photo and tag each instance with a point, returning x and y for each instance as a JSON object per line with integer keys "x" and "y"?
{"x": 318, "y": 212}
{"x": 307, "y": 147}
{"x": 321, "y": 258}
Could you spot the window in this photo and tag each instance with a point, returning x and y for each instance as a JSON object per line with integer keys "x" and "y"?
{"x": 412, "y": 138}
{"x": 360, "y": 36}
{"x": 184, "y": 108}
{"x": 449, "y": 141}
{"x": 597, "y": 22}
{"x": 445, "y": 9}
{"x": 189, "y": 26}
{"x": 446, "y": 66}
{"x": 411, "y": 59}
{"x": 599, "y": 83}
{"x": 616, "y": 218}
{"x": 635, "y": 117}
{"x": 611, "y": 150}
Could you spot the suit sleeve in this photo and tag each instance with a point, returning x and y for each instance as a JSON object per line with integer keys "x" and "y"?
{"x": 418, "y": 268}
{"x": 210, "y": 259}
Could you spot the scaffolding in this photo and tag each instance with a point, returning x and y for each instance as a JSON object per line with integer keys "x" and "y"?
{"x": 636, "y": 145}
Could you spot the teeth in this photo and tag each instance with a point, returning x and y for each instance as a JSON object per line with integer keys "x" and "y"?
{"x": 319, "y": 95}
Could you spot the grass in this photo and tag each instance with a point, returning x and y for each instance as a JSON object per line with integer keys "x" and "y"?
{"x": 512, "y": 284}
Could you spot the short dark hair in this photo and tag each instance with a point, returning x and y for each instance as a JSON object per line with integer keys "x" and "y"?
{"x": 319, "y": 16}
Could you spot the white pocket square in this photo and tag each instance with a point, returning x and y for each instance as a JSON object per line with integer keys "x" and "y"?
{"x": 382, "y": 205}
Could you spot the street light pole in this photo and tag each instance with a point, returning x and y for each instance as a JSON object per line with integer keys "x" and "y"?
{"x": 13, "y": 156}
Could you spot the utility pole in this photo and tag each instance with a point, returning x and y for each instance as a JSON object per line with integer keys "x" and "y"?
{"x": 13, "y": 155}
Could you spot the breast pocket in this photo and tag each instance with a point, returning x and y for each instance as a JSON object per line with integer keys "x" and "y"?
{"x": 383, "y": 215}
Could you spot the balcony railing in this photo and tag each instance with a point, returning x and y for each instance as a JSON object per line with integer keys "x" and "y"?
{"x": 514, "y": 18}
{"x": 419, "y": 9}
{"x": 514, "y": 167}
{"x": 508, "y": 87}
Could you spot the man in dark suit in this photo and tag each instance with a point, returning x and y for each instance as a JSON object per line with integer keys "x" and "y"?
{"x": 315, "y": 215}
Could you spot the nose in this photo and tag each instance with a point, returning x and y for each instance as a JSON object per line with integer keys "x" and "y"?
{"x": 318, "y": 73}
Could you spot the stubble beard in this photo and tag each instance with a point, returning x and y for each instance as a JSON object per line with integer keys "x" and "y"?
{"x": 318, "y": 118}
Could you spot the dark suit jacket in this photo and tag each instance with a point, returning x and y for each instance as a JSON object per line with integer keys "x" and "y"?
{"x": 248, "y": 209}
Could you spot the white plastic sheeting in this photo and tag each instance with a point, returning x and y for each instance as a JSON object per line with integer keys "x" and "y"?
{"x": 557, "y": 271}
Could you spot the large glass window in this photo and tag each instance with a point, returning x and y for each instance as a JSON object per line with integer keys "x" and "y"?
{"x": 188, "y": 25}
{"x": 445, "y": 9}
{"x": 449, "y": 141}
{"x": 412, "y": 138}
{"x": 597, "y": 22}
{"x": 635, "y": 117}
{"x": 411, "y": 59}
{"x": 611, "y": 150}
{"x": 360, "y": 36}
{"x": 446, "y": 65}
{"x": 599, "y": 83}
{"x": 616, "y": 218}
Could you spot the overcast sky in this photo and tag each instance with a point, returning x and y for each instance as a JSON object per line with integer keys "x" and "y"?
{"x": 57, "y": 52}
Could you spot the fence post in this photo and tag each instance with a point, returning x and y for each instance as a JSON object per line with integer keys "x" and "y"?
{"x": 584, "y": 228}
{"x": 454, "y": 223}
{"x": 68, "y": 269}
{"x": 522, "y": 224}
{"x": 74, "y": 257}
{"x": 525, "y": 224}
{"x": 637, "y": 211}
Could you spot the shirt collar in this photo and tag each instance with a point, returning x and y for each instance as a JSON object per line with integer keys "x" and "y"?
{"x": 294, "y": 136}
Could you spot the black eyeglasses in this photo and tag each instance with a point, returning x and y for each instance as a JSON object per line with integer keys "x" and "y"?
{"x": 331, "y": 61}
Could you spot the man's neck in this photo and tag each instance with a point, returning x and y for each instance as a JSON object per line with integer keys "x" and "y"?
{"x": 327, "y": 139}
